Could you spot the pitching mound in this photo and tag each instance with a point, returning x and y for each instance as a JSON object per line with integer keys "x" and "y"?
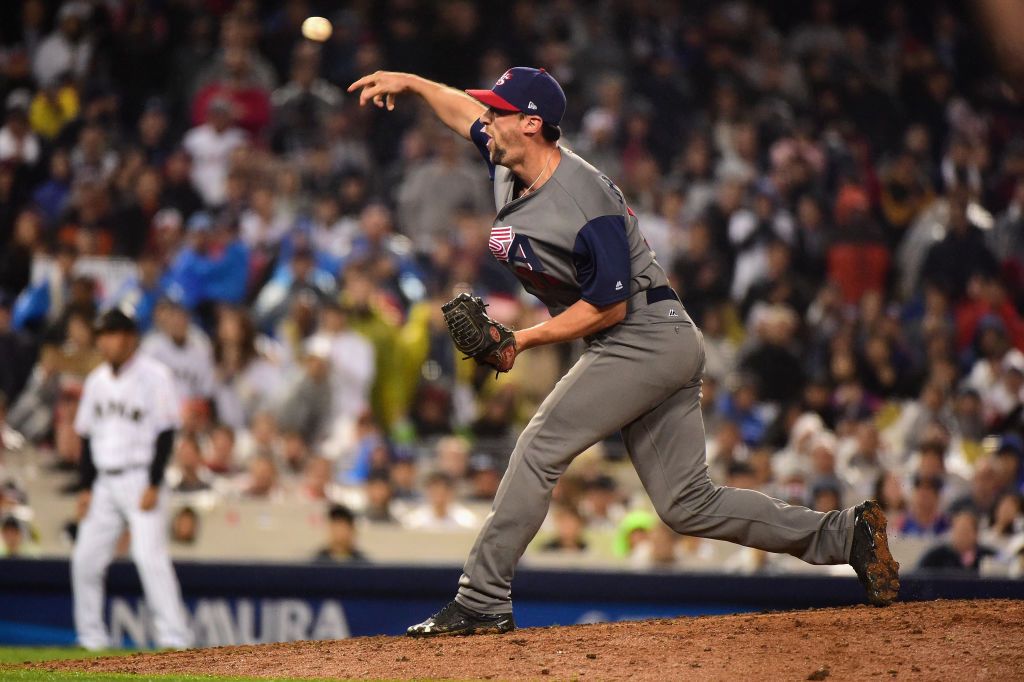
{"x": 923, "y": 640}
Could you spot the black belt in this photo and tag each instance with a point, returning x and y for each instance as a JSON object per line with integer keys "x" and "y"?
{"x": 122, "y": 470}
{"x": 662, "y": 293}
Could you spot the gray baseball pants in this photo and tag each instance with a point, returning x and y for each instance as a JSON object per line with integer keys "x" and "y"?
{"x": 643, "y": 377}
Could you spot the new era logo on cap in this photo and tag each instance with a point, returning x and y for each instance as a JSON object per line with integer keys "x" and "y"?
{"x": 526, "y": 90}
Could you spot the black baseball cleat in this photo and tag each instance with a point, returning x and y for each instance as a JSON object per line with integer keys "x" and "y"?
{"x": 870, "y": 555}
{"x": 456, "y": 619}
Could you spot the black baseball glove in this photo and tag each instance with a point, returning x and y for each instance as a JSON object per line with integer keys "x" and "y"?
{"x": 476, "y": 334}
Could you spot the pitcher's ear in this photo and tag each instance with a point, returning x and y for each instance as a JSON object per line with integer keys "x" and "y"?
{"x": 533, "y": 124}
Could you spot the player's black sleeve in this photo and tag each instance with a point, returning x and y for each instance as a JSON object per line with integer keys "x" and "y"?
{"x": 86, "y": 467}
{"x": 161, "y": 456}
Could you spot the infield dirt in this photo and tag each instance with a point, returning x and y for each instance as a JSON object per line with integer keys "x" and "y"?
{"x": 939, "y": 640}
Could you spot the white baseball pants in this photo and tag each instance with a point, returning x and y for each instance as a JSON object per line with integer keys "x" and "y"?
{"x": 115, "y": 502}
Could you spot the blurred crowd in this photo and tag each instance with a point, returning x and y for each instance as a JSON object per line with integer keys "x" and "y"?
{"x": 837, "y": 191}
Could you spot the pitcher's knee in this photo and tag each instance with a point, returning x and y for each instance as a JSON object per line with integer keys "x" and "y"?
{"x": 681, "y": 514}
{"x": 547, "y": 470}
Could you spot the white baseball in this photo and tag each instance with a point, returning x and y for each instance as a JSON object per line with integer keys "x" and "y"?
{"x": 317, "y": 28}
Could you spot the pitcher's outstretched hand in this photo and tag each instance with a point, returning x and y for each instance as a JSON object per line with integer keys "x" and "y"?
{"x": 381, "y": 87}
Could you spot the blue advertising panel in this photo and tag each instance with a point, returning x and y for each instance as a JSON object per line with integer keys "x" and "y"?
{"x": 256, "y": 603}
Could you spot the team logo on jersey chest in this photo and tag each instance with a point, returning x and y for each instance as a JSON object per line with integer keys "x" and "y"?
{"x": 512, "y": 248}
{"x": 501, "y": 241}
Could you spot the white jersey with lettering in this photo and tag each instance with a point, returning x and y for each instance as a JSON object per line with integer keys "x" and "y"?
{"x": 190, "y": 362}
{"x": 122, "y": 414}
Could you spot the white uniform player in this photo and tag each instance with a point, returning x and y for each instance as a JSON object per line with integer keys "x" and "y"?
{"x": 184, "y": 349}
{"x": 127, "y": 418}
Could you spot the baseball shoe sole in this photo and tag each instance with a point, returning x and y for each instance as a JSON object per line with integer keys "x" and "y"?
{"x": 870, "y": 555}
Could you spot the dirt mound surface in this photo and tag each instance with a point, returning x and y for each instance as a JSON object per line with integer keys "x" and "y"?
{"x": 945, "y": 640}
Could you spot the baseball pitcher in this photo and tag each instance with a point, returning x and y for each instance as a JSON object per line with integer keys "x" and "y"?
{"x": 126, "y": 419}
{"x": 566, "y": 231}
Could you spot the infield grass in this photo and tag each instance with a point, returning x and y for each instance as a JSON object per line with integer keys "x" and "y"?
{"x": 12, "y": 657}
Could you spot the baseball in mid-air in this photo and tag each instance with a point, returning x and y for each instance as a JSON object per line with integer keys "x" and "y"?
{"x": 316, "y": 28}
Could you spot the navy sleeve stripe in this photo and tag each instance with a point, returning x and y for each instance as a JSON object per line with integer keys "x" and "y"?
{"x": 480, "y": 138}
{"x": 602, "y": 260}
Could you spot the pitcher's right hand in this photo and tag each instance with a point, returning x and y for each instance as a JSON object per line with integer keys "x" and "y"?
{"x": 381, "y": 87}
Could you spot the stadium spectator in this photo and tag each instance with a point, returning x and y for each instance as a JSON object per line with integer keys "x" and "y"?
{"x": 211, "y": 268}
{"x": 235, "y": 86}
{"x": 633, "y": 533}
{"x": 246, "y": 377}
{"x": 774, "y": 363}
{"x": 152, "y": 133}
{"x": 261, "y": 439}
{"x": 302, "y": 106}
{"x": 18, "y": 144}
{"x": 220, "y": 453}
{"x": 13, "y": 538}
{"x": 305, "y": 408}
{"x": 140, "y": 294}
{"x": 191, "y": 474}
{"x": 43, "y": 303}
{"x": 94, "y": 162}
{"x": 961, "y": 254}
{"x": 924, "y": 517}
{"x": 601, "y": 505}
{"x": 184, "y": 348}
{"x": 352, "y": 364}
{"x": 1007, "y": 463}
{"x": 178, "y": 191}
{"x": 826, "y": 495}
{"x": 295, "y": 453}
{"x": 316, "y": 478}
{"x": 135, "y": 219}
{"x": 341, "y": 537}
{"x": 185, "y": 526}
{"x": 494, "y": 430}
{"x": 931, "y": 464}
{"x": 430, "y": 192}
{"x": 263, "y": 225}
{"x": 858, "y": 261}
{"x": 238, "y": 31}
{"x": 751, "y": 232}
{"x": 16, "y": 350}
{"x": 701, "y": 275}
{"x": 301, "y": 283}
{"x": 403, "y": 477}
{"x": 51, "y": 197}
{"x": 984, "y": 491}
{"x": 1006, "y": 524}
{"x": 68, "y": 49}
{"x": 440, "y": 511}
{"x": 484, "y": 478}
{"x": 379, "y": 493}
{"x": 661, "y": 550}
{"x": 889, "y": 493}
{"x": 962, "y": 554}
{"x": 569, "y": 527}
{"x": 262, "y": 480}
{"x": 209, "y": 146}
{"x": 451, "y": 457}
